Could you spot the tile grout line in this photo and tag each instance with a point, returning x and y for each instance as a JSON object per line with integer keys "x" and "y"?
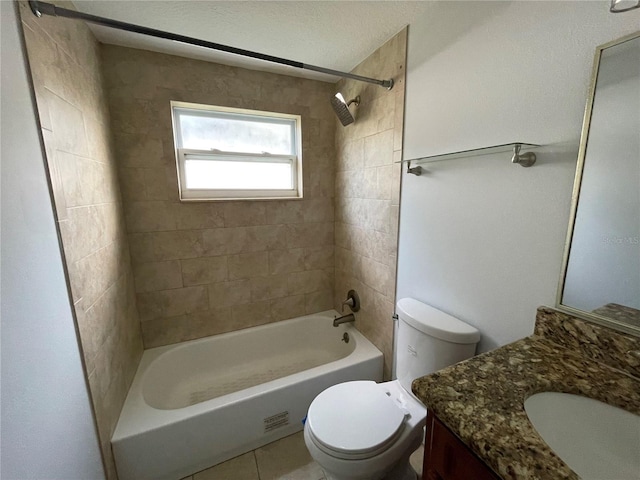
{"x": 255, "y": 460}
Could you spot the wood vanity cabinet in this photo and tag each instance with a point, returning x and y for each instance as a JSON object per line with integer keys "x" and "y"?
{"x": 447, "y": 458}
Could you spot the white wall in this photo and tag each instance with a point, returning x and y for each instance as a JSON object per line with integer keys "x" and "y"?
{"x": 480, "y": 238}
{"x": 47, "y": 425}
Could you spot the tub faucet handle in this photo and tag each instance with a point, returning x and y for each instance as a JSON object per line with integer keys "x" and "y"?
{"x": 352, "y": 301}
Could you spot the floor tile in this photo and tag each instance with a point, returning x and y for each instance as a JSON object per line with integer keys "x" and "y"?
{"x": 239, "y": 468}
{"x": 287, "y": 459}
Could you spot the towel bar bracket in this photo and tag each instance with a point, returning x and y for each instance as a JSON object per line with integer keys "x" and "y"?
{"x": 415, "y": 170}
{"x": 522, "y": 159}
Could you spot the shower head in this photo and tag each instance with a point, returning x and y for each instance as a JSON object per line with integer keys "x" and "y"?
{"x": 341, "y": 107}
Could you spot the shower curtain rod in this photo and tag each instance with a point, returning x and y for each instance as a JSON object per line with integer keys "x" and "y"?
{"x": 44, "y": 8}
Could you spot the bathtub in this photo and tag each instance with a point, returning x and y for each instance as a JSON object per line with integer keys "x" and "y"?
{"x": 195, "y": 404}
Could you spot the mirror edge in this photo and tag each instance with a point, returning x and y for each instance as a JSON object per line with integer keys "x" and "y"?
{"x": 575, "y": 195}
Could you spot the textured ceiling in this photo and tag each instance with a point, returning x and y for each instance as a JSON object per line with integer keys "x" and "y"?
{"x": 331, "y": 34}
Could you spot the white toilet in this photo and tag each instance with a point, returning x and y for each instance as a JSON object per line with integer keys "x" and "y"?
{"x": 364, "y": 430}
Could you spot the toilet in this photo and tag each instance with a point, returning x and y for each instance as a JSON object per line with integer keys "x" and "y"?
{"x": 363, "y": 430}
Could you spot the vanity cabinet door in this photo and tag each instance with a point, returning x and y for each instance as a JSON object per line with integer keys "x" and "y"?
{"x": 447, "y": 458}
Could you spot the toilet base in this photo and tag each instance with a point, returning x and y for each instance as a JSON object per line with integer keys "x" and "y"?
{"x": 402, "y": 470}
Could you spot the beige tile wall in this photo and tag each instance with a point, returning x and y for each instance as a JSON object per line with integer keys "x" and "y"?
{"x": 210, "y": 267}
{"x": 64, "y": 60}
{"x": 368, "y": 194}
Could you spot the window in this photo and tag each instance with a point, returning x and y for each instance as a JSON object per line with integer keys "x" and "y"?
{"x": 229, "y": 153}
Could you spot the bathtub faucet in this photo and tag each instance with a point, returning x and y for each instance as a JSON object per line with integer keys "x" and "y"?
{"x": 344, "y": 319}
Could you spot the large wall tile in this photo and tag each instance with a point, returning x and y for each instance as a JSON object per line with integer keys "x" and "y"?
{"x": 319, "y": 257}
{"x": 227, "y": 241}
{"x": 67, "y": 77}
{"x": 318, "y": 210}
{"x": 367, "y": 195}
{"x": 132, "y": 184}
{"x": 135, "y": 150}
{"x": 309, "y": 234}
{"x": 85, "y": 181}
{"x": 229, "y": 294}
{"x": 93, "y": 274}
{"x": 252, "y": 314}
{"x": 378, "y": 149}
{"x": 351, "y": 155}
{"x": 287, "y": 307}
{"x": 170, "y": 303}
{"x": 89, "y": 229}
{"x": 72, "y": 138}
{"x": 154, "y": 216}
{"x": 284, "y": 212}
{"x": 269, "y": 287}
{"x": 318, "y": 301}
{"x": 164, "y": 331}
{"x": 309, "y": 281}
{"x": 150, "y": 277}
{"x": 204, "y": 270}
{"x": 248, "y": 265}
{"x": 162, "y": 246}
{"x": 195, "y": 216}
{"x": 244, "y": 214}
{"x": 286, "y": 261}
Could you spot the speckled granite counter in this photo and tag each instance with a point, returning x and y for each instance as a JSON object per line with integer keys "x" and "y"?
{"x": 482, "y": 399}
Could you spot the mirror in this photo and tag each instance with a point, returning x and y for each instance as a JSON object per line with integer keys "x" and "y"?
{"x": 600, "y": 278}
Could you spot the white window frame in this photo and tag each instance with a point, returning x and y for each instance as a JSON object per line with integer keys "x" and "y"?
{"x": 183, "y": 154}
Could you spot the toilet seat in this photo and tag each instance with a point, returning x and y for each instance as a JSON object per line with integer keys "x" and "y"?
{"x": 355, "y": 420}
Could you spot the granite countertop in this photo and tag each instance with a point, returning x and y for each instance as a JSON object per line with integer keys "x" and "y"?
{"x": 481, "y": 400}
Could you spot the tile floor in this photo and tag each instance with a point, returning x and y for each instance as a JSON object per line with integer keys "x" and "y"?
{"x": 286, "y": 459}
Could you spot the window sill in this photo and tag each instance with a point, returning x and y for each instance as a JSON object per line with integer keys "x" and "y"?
{"x": 239, "y": 199}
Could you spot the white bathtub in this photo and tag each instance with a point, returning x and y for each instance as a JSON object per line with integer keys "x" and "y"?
{"x": 199, "y": 403}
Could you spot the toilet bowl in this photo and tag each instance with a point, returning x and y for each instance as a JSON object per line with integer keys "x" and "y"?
{"x": 363, "y": 430}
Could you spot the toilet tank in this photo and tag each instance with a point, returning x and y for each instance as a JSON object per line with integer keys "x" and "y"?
{"x": 429, "y": 340}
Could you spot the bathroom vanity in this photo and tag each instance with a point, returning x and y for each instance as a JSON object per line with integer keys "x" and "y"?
{"x": 446, "y": 457}
{"x": 477, "y": 421}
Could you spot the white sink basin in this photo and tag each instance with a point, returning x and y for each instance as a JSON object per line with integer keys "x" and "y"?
{"x": 598, "y": 441}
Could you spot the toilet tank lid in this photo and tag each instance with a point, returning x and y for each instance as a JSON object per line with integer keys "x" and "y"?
{"x": 436, "y": 323}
